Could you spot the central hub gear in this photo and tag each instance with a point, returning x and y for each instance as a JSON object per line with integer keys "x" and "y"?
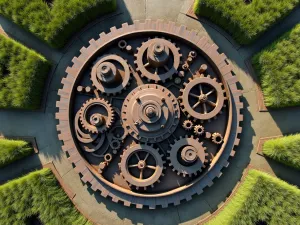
{"x": 141, "y": 165}
{"x": 150, "y": 113}
{"x": 157, "y": 59}
{"x": 187, "y": 156}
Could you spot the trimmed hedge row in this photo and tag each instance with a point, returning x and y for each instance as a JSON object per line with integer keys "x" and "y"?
{"x": 54, "y": 24}
{"x": 278, "y": 69}
{"x": 22, "y": 75}
{"x": 245, "y": 22}
{"x": 13, "y": 150}
{"x": 37, "y": 194}
{"x": 261, "y": 199}
{"x": 285, "y": 150}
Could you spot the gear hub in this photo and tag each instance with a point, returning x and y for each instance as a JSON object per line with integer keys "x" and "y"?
{"x": 121, "y": 105}
{"x": 150, "y": 113}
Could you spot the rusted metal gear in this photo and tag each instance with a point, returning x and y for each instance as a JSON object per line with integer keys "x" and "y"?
{"x": 96, "y": 115}
{"x": 187, "y": 156}
{"x": 150, "y": 113}
{"x": 199, "y": 130}
{"x": 195, "y": 100}
{"x": 110, "y": 74}
{"x": 157, "y": 59}
{"x": 187, "y": 125}
{"x": 217, "y": 138}
{"x": 141, "y": 165}
{"x": 210, "y": 56}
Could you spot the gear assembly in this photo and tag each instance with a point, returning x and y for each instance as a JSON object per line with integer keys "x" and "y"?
{"x": 149, "y": 114}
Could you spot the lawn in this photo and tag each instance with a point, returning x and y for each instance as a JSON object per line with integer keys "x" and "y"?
{"x": 285, "y": 150}
{"x": 261, "y": 199}
{"x": 13, "y": 150}
{"x": 54, "y": 23}
{"x": 22, "y": 76}
{"x": 245, "y": 22}
{"x": 37, "y": 194}
{"x": 278, "y": 69}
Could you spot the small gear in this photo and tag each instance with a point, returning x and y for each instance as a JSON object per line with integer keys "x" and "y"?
{"x": 115, "y": 144}
{"x": 141, "y": 165}
{"x": 110, "y": 74}
{"x": 96, "y": 115}
{"x": 217, "y": 138}
{"x": 199, "y": 130}
{"x": 157, "y": 59}
{"x": 202, "y": 97}
{"x": 187, "y": 156}
{"x": 187, "y": 125}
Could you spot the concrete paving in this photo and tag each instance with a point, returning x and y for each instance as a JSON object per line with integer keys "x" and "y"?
{"x": 42, "y": 125}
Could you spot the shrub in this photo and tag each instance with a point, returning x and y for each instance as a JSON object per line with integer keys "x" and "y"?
{"x": 261, "y": 199}
{"x": 13, "y": 150}
{"x": 285, "y": 150}
{"x": 37, "y": 194}
{"x": 54, "y": 24}
{"x": 278, "y": 69}
{"x": 22, "y": 75}
{"x": 245, "y": 22}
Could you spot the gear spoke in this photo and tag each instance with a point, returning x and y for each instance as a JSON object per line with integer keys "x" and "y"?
{"x": 204, "y": 108}
{"x": 146, "y": 64}
{"x": 200, "y": 88}
{"x": 151, "y": 167}
{"x": 137, "y": 156}
{"x": 193, "y": 95}
{"x": 146, "y": 156}
{"x": 209, "y": 93}
{"x": 194, "y": 106}
{"x": 132, "y": 166}
{"x": 141, "y": 174}
{"x": 211, "y": 103}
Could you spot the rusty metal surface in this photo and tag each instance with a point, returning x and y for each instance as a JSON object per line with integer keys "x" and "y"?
{"x": 127, "y": 101}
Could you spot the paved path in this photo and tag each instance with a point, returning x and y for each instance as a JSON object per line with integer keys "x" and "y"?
{"x": 42, "y": 125}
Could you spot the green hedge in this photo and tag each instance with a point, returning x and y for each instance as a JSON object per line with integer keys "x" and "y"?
{"x": 245, "y": 22}
{"x": 261, "y": 199}
{"x": 13, "y": 150}
{"x": 285, "y": 150}
{"x": 278, "y": 67}
{"x": 55, "y": 24}
{"x": 37, "y": 194}
{"x": 22, "y": 75}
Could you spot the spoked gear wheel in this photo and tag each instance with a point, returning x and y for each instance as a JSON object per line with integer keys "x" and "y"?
{"x": 187, "y": 125}
{"x": 110, "y": 75}
{"x": 157, "y": 59}
{"x": 195, "y": 97}
{"x": 96, "y": 115}
{"x": 187, "y": 156}
{"x": 141, "y": 166}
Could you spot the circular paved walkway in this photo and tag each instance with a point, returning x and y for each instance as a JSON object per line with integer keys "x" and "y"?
{"x": 42, "y": 125}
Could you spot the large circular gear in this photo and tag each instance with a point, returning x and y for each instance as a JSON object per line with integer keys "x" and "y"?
{"x": 110, "y": 74}
{"x": 96, "y": 115}
{"x": 141, "y": 30}
{"x": 150, "y": 113}
{"x": 157, "y": 59}
{"x": 187, "y": 156}
{"x": 141, "y": 165}
{"x": 196, "y": 98}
